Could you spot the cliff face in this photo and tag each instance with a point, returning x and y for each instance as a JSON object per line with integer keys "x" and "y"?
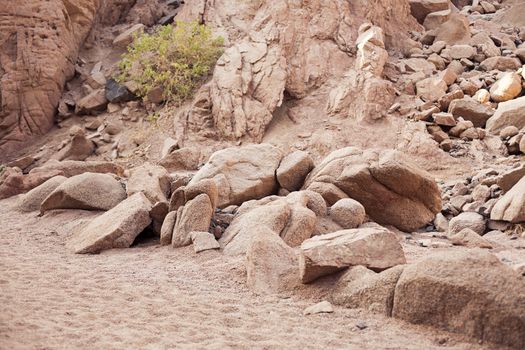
{"x": 39, "y": 43}
{"x": 282, "y": 48}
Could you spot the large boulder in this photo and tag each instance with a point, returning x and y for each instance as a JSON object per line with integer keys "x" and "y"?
{"x": 32, "y": 76}
{"x": 474, "y": 221}
{"x": 69, "y": 168}
{"x": 242, "y": 173}
{"x": 420, "y": 9}
{"x": 508, "y": 113}
{"x": 374, "y": 247}
{"x": 194, "y": 216}
{"x": 116, "y": 228}
{"x": 13, "y": 181}
{"x": 470, "y": 109}
{"x": 511, "y": 207}
{"x": 348, "y": 213}
{"x": 506, "y": 88}
{"x": 271, "y": 265}
{"x": 152, "y": 180}
{"x": 293, "y": 218}
{"x": 88, "y": 191}
{"x": 293, "y": 170}
{"x": 393, "y": 190}
{"x": 464, "y": 291}
{"x": 32, "y": 200}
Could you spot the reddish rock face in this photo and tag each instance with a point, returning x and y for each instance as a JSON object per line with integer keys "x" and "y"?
{"x": 39, "y": 44}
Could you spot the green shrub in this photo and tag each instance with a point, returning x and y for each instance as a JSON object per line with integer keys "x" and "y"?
{"x": 175, "y": 59}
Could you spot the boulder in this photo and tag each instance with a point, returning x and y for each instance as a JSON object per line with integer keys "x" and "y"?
{"x": 454, "y": 31}
{"x": 242, "y": 173}
{"x": 181, "y": 159}
{"x": 470, "y": 109}
{"x": 152, "y": 180}
{"x": 293, "y": 170}
{"x": 392, "y": 190}
{"x": 13, "y": 181}
{"x": 508, "y": 113}
{"x": 501, "y": 63}
{"x": 373, "y": 247}
{"x": 32, "y": 200}
{"x": 93, "y": 102}
{"x": 203, "y": 241}
{"x": 431, "y": 89}
{"x": 362, "y": 288}
{"x": 166, "y": 231}
{"x": 88, "y": 191}
{"x": 458, "y": 52}
{"x": 195, "y": 215}
{"x": 421, "y": 8}
{"x": 435, "y": 19}
{"x": 511, "y": 207}
{"x": 469, "y": 238}
{"x": 116, "y": 228}
{"x": 69, "y": 168}
{"x": 506, "y": 88}
{"x": 78, "y": 148}
{"x": 464, "y": 291}
{"x": 470, "y": 220}
{"x": 271, "y": 265}
{"x": 206, "y": 186}
{"x": 348, "y": 213}
{"x": 371, "y": 53}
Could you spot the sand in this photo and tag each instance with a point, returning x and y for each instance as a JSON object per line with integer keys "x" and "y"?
{"x": 152, "y": 297}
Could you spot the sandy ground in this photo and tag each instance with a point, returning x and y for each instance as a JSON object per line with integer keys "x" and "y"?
{"x": 152, "y": 297}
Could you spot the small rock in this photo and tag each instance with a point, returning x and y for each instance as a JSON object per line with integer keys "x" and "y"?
{"x": 319, "y": 308}
{"x": 203, "y": 241}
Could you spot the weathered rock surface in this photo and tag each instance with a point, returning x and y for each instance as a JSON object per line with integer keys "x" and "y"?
{"x": 323, "y": 307}
{"x": 469, "y": 292}
{"x": 469, "y": 238}
{"x": 152, "y": 180}
{"x": 116, "y": 228}
{"x": 69, "y": 168}
{"x": 293, "y": 170}
{"x": 507, "y": 88}
{"x": 32, "y": 200}
{"x": 166, "y": 231}
{"x": 392, "y": 190}
{"x": 373, "y": 247}
{"x": 89, "y": 191}
{"x": 470, "y": 220}
{"x": 271, "y": 265}
{"x": 32, "y": 76}
{"x": 195, "y": 215}
{"x": 203, "y": 241}
{"x": 470, "y": 109}
{"x": 13, "y": 181}
{"x": 78, "y": 148}
{"x": 243, "y": 173}
{"x": 511, "y": 207}
{"x": 348, "y": 213}
{"x": 508, "y": 113}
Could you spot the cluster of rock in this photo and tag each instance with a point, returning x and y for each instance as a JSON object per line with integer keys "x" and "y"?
{"x": 468, "y": 75}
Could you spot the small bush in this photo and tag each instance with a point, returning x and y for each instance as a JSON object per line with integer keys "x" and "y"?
{"x": 174, "y": 58}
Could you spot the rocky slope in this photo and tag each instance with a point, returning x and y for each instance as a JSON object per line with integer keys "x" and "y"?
{"x": 367, "y": 154}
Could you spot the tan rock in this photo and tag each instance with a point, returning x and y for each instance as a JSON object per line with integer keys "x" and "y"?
{"x": 371, "y": 53}
{"x": 194, "y": 216}
{"x": 13, "y": 181}
{"x": 152, "y": 180}
{"x": 469, "y": 238}
{"x": 247, "y": 173}
{"x": 470, "y": 220}
{"x": 472, "y": 293}
{"x": 506, "y": 88}
{"x": 93, "y": 102}
{"x": 116, "y": 228}
{"x": 207, "y": 186}
{"x": 511, "y": 207}
{"x": 420, "y": 9}
{"x": 348, "y": 213}
{"x": 31, "y": 200}
{"x": 454, "y": 31}
{"x": 203, "y": 241}
{"x": 323, "y": 307}
{"x": 78, "y": 148}
{"x": 69, "y": 168}
{"x": 376, "y": 248}
{"x": 166, "y": 231}
{"x": 293, "y": 169}
{"x": 501, "y": 63}
{"x": 469, "y": 109}
{"x": 88, "y": 191}
{"x": 508, "y": 113}
{"x": 271, "y": 265}
{"x": 181, "y": 159}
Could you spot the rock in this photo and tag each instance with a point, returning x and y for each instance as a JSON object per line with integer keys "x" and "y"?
{"x": 181, "y": 159}
{"x": 13, "y": 181}
{"x": 431, "y": 89}
{"x": 482, "y": 96}
{"x": 470, "y": 220}
{"x": 470, "y": 109}
{"x": 472, "y": 293}
{"x": 88, "y": 191}
{"x": 522, "y": 145}
{"x": 78, "y": 148}
{"x": 207, "y": 186}
{"x": 69, "y": 168}
{"x": 31, "y": 200}
{"x": 362, "y": 288}
{"x": 158, "y": 213}
{"x": 348, "y": 213}
{"x": 444, "y": 101}
{"x": 508, "y": 132}
{"x": 374, "y": 247}
{"x": 126, "y": 37}
{"x": 168, "y": 146}
{"x": 242, "y": 173}
{"x": 469, "y": 238}
{"x": 293, "y": 169}
{"x": 441, "y": 223}
{"x": 166, "y": 231}
{"x": 203, "y": 241}
{"x": 194, "y": 216}
{"x": 435, "y": 19}
{"x": 371, "y": 53}
{"x": 33, "y": 76}
{"x": 93, "y": 102}
{"x": 507, "y": 88}
{"x": 271, "y": 265}
{"x": 509, "y": 113}
{"x": 370, "y": 177}
{"x": 481, "y": 193}
{"x": 483, "y": 41}
{"x": 511, "y": 207}
{"x": 500, "y": 63}
{"x": 420, "y": 9}
{"x": 458, "y": 52}
{"x": 454, "y": 31}
{"x": 117, "y": 93}
{"x": 116, "y": 228}
{"x": 323, "y": 307}
{"x": 445, "y": 119}
{"x": 152, "y": 180}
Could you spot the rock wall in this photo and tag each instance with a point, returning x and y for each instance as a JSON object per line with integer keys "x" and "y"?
{"x": 39, "y": 43}
{"x": 281, "y": 48}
